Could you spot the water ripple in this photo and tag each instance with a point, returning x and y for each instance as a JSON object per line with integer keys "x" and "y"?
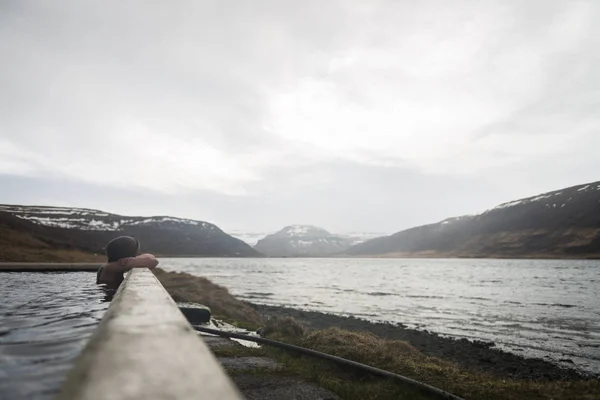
{"x": 45, "y": 321}
{"x": 538, "y": 308}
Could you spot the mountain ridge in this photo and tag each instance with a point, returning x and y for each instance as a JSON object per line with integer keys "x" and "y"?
{"x": 559, "y": 223}
{"x": 562, "y": 223}
{"x": 89, "y": 230}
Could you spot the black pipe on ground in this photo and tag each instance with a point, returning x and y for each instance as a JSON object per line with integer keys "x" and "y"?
{"x": 376, "y": 371}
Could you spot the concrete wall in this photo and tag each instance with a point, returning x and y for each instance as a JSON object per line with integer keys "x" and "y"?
{"x": 144, "y": 348}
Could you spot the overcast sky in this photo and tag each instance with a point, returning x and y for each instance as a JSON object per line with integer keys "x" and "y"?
{"x": 352, "y": 115}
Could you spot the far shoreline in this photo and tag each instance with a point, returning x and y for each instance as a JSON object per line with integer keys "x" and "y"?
{"x": 404, "y": 257}
{"x": 60, "y": 257}
{"x": 92, "y": 264}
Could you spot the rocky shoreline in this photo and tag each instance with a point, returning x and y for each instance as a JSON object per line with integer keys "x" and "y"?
{"x": 472, "y": 355}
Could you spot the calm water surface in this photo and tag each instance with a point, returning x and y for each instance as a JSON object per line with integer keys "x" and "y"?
{"x": 536, "y": 308}
{"x": 45, "y": 321}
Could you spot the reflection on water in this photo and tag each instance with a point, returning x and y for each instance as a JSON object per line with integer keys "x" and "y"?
{"x": 538, "y": 308}
{"x": 45, "y": 321}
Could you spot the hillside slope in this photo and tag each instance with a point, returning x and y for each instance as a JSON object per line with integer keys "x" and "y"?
{"x": 302, "y": 240}
{"x": 89, "y": 230}
{"x": 24, "y": 241}
{"x": 562, "y": 223}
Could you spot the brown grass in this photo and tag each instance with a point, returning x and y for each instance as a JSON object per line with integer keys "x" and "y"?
{"x": 16, "y": 246}
{"x": 184, "y": 287}
{"x": 285, "y": 328}
{"x": 400, "y": 357}
{"x": 20, "y": 254}
{"x": 58, "y": 255}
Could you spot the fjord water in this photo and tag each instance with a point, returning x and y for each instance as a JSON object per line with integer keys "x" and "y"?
{"x": 536, "y": 308}
{"x": 45, "y": 321}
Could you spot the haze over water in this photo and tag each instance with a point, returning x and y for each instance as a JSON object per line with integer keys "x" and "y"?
{"x": 536, "y": 308}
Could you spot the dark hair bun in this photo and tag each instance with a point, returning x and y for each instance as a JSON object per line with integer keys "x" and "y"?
{"x": 122, "y": 247}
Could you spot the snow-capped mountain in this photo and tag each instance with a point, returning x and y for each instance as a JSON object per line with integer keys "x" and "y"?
{"x": 302, "y": 240}
{"x": 559, "y": 198}
{"x": 248, "y": 237}
{"x": 561, "y": 223}
{"x": 360, "y": 237}
{"x": 252, "y": 238}
{"x": 90, "y": 230}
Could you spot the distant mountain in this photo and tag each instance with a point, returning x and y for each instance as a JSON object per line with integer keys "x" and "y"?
{"x": 361, "y": 237}
{"x": 562, "y": 223}
{"x": 89, "y": 230}
{"x": 250, "y": 238}
{"x": 253, "y": 237}
{"x": 302, "y": 240}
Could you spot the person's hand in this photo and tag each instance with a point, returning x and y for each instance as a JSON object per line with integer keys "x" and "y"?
{"x": 141, "y": 261}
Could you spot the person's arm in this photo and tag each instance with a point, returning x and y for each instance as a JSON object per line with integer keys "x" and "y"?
{"x": 141, "y": 261}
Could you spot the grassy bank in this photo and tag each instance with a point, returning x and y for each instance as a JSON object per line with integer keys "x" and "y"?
{"x": 400, "y": 357}
{"x": 184, "y": 287}
{"x": 392, "y": 355}
{"x": 16, "y": 254}
{"x": 21, "y": 246}
{"x": 18, "y": 243}
{"x": 46, "y": 255}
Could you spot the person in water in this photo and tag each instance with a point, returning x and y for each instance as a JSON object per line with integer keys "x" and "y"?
{"x": 123, "y": 254}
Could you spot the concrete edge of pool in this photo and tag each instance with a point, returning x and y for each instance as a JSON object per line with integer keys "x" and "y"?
{"x": 144, "y": 348}
{"x": 47, "y": 267}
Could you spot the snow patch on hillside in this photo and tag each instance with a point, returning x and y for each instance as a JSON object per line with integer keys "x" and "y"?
{"x": 546, "y": 196}
{"x": 87, "y": 219}
{"x": 303, "y": 231}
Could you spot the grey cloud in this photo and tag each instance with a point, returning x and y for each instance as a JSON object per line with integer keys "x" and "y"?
{"x": 83, "y": 78}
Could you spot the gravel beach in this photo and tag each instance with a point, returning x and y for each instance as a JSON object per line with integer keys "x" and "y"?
{"x": 472, "y": 355}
